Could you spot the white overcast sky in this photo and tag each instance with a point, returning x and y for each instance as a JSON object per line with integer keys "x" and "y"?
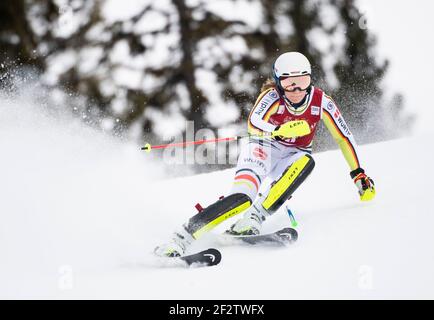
{"x": 404, "y": 32}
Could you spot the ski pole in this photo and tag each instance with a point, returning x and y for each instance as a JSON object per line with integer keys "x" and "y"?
{"x": 148, "y": 147}
{"x": 291, "y": 217}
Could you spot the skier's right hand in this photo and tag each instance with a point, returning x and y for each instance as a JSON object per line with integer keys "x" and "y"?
{"x": 364, "y": 184}
{"x": 292, "y": 129}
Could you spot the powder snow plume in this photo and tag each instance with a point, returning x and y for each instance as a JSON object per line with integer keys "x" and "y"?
{"x": 71, "y": 196}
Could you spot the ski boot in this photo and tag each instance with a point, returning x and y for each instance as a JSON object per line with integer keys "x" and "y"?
{"x": 250, "y": 223}
{"x": 205, "y": 220}
{"x": 177, "y": 246}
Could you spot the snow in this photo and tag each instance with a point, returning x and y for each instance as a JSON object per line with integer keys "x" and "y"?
{"x": 119, "y": 103}
{"x": 98, "y": 33}
{"x": 168, "y": 129}
{"x": 401, "y": 33}
{"x": 89, "y": 59}
{"x": 238, "y": 79}
{"x": 162, "y": 54}
{"x": 222, "y": 114}
{"x": 285, "y": 27}
{"x": 128, "y": 77}
{"x": 58, "y": 64}
{"x": 120, "y": 51}
{"x": 151, "y": 82}
{"x": 236, "y": 11}
{"x": 115, "y": 10}
{"x": 67, "y": 24}
{"x": 80, "y": 214}
{"x": 108, "y": 87}
{"x": 151, "y": 21}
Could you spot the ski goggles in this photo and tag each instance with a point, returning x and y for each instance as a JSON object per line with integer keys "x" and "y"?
{"x": 291, "y": 84}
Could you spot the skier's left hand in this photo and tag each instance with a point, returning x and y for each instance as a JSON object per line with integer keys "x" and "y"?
{"x": 364, "y": 184}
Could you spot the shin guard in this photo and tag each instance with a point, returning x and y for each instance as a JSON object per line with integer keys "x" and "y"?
{"x": 282, "y": 189}
{"x": 216, "y": 213}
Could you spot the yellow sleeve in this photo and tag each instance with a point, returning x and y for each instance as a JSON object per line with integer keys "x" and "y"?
{"x": 341, "y": 133}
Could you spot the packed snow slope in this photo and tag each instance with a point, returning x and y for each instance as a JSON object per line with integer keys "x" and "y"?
{"x": 80, "y": 214}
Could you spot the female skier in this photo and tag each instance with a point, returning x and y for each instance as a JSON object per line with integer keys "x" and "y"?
{"x": 282, "y": 125}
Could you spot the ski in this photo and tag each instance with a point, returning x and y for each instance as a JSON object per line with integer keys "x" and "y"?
{"x": 281, "y": 237}
{"x": 208, "y": 258}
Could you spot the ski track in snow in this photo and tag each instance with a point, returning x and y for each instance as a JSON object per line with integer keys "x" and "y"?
{"x": 80, "y": 214}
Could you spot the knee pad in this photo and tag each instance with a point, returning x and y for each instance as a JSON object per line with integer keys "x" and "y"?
{"x": 216, "y": 213}
{"x": 282, "y": 189}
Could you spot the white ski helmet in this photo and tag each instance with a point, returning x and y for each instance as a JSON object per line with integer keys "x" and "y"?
{"x": 291, "y": 64}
